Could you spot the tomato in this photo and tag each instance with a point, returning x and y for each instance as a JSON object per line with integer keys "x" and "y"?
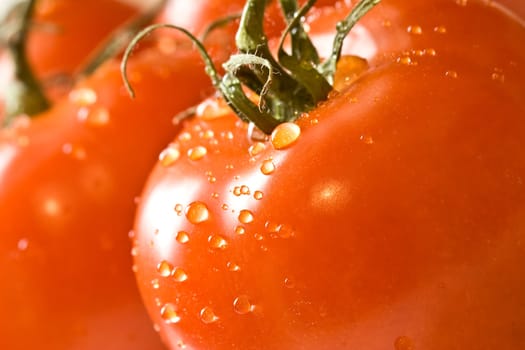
{"x": 68, "y": 182}
{"x": 395, "y": 220}
{"x": 61, "y": 40}
{"x": 64, "y": 34}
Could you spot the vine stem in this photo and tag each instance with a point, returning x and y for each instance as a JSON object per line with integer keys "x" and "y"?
{"x": 25, "y": 94}
{"x": 288, "y": 86}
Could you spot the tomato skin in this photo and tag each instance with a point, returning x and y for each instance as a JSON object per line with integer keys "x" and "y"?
{"x": 401, "y": 208}
{"x": 68, "y": 180}
{"x": 68, "y": 35}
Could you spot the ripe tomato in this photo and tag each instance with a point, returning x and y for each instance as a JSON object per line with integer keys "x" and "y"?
{"x": 68, "y": 179}
{"x": 394, "y": 221}
{"x": 64, "y": 35}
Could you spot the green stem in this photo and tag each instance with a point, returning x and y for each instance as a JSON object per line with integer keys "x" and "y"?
{"x": 218, "y": 24}
{"x": 229, "y": 86}
{"x": 251, "y": 39}
{"x": 343, "y": 28}
{"x": 301, "y": 63}
{"x": 288, "y": 87}
{"x": 25, "y": 95}
{"x": 120, "y": 38}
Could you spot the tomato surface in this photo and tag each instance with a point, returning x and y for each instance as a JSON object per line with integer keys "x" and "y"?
{"x": 68, "y": 182}
{"x": 65, "y": 33}
{"x": 394, "y": 221}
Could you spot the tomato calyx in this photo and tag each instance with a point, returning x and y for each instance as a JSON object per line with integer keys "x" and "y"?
{"x": 260, "y": 88}
{"x": 25, "y": 95}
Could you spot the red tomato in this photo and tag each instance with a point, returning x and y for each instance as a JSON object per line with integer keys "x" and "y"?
{"x": 394, "y": 221}
{"x": 65, "y": 34}
{"x": 68, "y": 179}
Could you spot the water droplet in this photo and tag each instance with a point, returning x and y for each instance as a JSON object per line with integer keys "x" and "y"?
{"x": 182, "y": 237}
{"x": 155, "y": 283}
{"x": 237, "y": 191}
{"x": 52, "y": 207}
{"x": 184, "y": 136}
{"x": 289, "y": 283}
{"x": 386, "y": 23}
{"x": 227, "y": 135}
{"x": 284, "y": 135}
{"x": 181, "y": 344}
{"x": 218, "y": 242}
{"x": 233, "y": 266}
{"x": 403, "y": 343}
{"x": 451, "y": 74}
{"x": 169, "y": 314}
{"x": 430, "y": 52}
{"x": 166, "y": 45}
{"x": 366, "y": 139}
{"x": 134, "y": 251}
{"x": 212, "y": 108}
{"x": 207, "y": 315}
{"x": 256, "y": 148}
{"x": 197, "y": 212}
{"x": 208, "y": 134}
{"x": 22, "y": 244}
{"x": 245, "y": 216}
{"x": 83, "y": 96}
{"x": 178, "y": 209}
{"x": 240, "y": 230}
{"x": 215, "y": 195}
{"x": 285, "y": 231}
{"x": 417, "y": 30}
{"x": 349, "y": 68}
{"x": 245, "y": 190}
{"x": 498, "y": 75}
{"x": 169, "y": 155}
{"x": 258, "y": 195}
{"x": 77, "y": 152}
{"x": 271, "y": 227}
{"x": 242, "y": 305}
{"x": 462, "y": 3}
{"x": 179, "y": 275}
{"x": 440, "y": 29}
{"x": 341, "y": 27}
{"x": 164, "y": 268}
{"x": 224, "y": 206}
{"x": 197, "y": 153}
{"x": 258, "y": 236}
{"x": 95, "y": 116}
{"x": 267, "y": 167}
{"x": 406, "y": 60}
